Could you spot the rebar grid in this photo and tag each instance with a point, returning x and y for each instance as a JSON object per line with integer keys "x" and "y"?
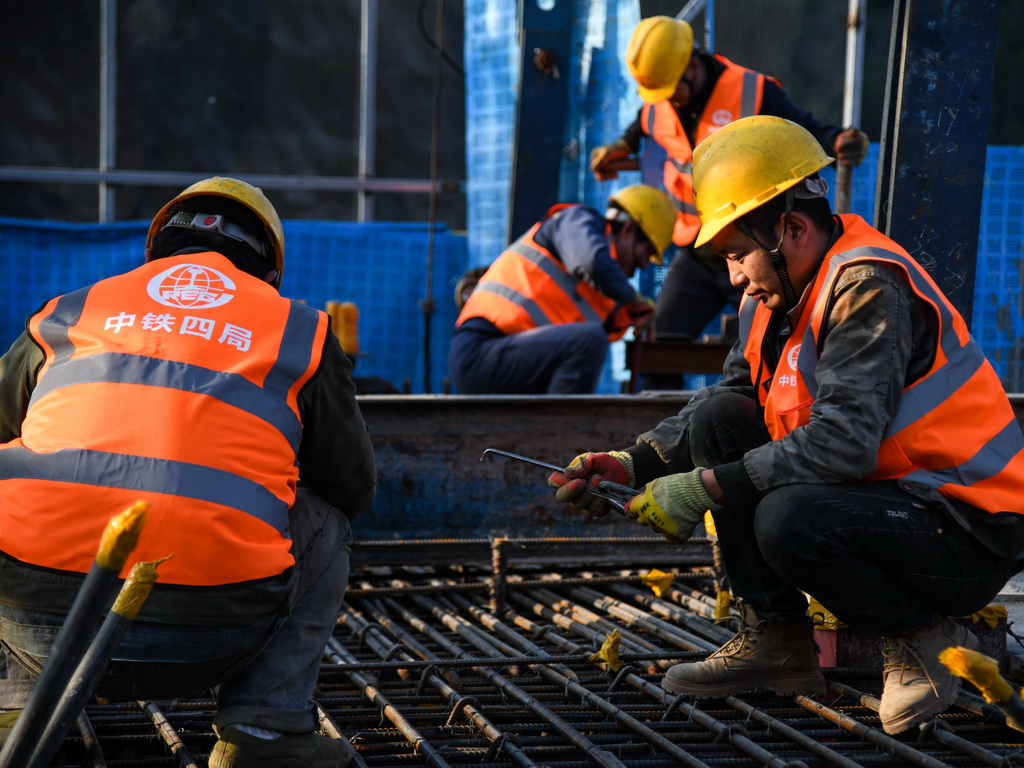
{"x": 423, "y": 673}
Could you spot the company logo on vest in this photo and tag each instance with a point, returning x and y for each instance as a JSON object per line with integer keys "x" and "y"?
{"x": 191, "y": 285}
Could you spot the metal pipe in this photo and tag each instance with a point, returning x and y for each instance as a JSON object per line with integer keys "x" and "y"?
{"x": 108, "y": 105}
{"x": 117, "y": 542}
{"x": 92, "y": 746}
{"x": 125, "y": 178}
{"x": 856, "y": 23}
{"x": 600, "y": 756}
{"x": 473, "y": 713}
{"x": 168, "y": 734}
{"x": 367, "y": 105}
{"x": 336, "y": 650}
{"x": 873, "y": 735}
{"x": 499, "y": 575}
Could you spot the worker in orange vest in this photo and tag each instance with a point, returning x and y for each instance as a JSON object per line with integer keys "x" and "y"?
{"x": 859, "y": 449}
{"x": 191, "y": 384}
{"x": 540, "y": 319}
{"x": 688, "y": 95}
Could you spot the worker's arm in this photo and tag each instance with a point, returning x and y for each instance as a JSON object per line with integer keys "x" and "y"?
{"x": 335, "y": 456}
{"x": 608, "y": 159}
{"x": 577, "y": 236}
{"x": 19, "y": 370}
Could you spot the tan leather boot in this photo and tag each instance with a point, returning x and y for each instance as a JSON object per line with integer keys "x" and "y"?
{"x": 780, "y": 658}
{"x": 917, "y": 685}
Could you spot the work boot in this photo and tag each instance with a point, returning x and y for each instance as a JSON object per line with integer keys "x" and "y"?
{"x": 237, "y": 749}
{"x": 781, "y": 658}
{"x": 917, "y": 684}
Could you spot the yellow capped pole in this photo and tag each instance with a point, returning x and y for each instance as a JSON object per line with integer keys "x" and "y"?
{"x": 96, "y": 593}
{"x": 133, "y": 594}
{"x": 983, "y": 673}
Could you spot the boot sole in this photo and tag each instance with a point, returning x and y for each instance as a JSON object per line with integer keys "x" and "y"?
{"x": 807, "y": 685}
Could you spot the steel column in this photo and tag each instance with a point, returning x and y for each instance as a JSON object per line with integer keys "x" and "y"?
{"x": 541, "y": 111}
{"x": 935, "y": 134}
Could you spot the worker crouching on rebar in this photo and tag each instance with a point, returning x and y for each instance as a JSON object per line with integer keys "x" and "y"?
{"x": 860, "y": 448}
{"x": 541, "y": 318}
{"x": 191, "y": 384}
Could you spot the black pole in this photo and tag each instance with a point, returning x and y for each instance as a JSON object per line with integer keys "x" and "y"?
{"x": 94, "y": 663}
{"x": 96, "y": 593}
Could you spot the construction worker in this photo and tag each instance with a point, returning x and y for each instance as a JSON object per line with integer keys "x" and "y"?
{"x": 688, "y": 95}
{"x": 189, "y": 383}
{"x": 860, "y": 448}
{"x": 542, "y": 316}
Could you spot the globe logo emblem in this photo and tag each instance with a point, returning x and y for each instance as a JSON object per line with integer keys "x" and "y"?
{"x": 793, "y": 356}
{"x": 191, "y": 286}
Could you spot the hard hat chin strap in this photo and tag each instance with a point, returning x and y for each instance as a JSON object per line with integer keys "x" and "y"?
{"x": 775, "y": 254}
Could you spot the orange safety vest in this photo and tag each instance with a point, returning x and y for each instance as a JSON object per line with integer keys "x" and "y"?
{"x": 528, "y": 287}
{"x": 954, "y": 429}
{"x": 176, "y": 384}
{"x": 737, "y": 93}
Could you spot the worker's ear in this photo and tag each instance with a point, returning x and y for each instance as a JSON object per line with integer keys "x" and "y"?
{"x": 149, "y": 255}
{"x": 270, "y": 277}
{"x": 799, "y": 228}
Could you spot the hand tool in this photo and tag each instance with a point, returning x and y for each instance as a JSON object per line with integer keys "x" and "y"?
{"x": 618, "y": 495}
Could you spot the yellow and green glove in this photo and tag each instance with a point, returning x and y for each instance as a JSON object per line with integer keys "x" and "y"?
{"x": 672, "y": 505}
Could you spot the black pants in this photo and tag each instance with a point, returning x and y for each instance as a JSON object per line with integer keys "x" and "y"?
{"x": 881, "y": 560}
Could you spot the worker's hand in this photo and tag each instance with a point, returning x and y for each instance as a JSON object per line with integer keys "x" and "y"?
{"x": 640, "y": 311}
{"x": 589, "y": 469}
{"x": 606, "y": 161}
{"x": 672, "y": 505}
{"x": 851, "y": 146}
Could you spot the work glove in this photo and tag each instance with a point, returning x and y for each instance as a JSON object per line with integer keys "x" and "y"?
{"x": 672, "y": 505}
{"x": 588, "y": 469}
{"x": 851, "y": 146}
{"x": 606, "y": 161}
{"x": 640, "y": 311}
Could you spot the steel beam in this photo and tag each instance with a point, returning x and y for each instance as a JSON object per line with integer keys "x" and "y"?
{"x": 935, "y": 135}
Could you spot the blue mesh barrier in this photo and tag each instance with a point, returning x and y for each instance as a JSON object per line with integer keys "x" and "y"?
{"x": 380, "y": 267}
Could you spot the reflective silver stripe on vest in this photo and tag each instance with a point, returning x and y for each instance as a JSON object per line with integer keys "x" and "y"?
{"x": 559, "y": 277}
{"x": 682, "y": 205}
{"x": 748, "y": 94}
{"x": 986, "y": 463}
{"x": 528, "y": 305}
{"x": 294, "y": 354}
{"x": 962, "y": 362}
{"x": 682, "y": 167}
{"x": 229, "y": 388}
{"x": 143, "y": 474}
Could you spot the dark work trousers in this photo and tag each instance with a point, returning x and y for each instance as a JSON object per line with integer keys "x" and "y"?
{"x": 692, "y": 294}
{"x": 553, "y": 359}
{"x": 880, "y": 559}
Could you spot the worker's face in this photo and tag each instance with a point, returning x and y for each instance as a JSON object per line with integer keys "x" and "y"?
{"x": 684, "y": 90}
{"x": 750, "y": 266}
{"x": 633, "y": 250}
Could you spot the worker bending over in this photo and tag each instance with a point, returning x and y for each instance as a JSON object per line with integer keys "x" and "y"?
{"x": 542, "y": 316}
{"x": 191, "y": 384}
{"x": 688, "y": 96}
{"x": 859, "y": 449}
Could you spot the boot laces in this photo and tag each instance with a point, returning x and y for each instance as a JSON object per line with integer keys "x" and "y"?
{"x": 903, "y": 655}
{"x": 740, "y": 641}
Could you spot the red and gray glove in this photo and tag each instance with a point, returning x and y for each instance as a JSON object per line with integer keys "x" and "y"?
{"x": 640, "y": 311}
{"x": 606, "y": 161}
{"x": 588, "y": 469}
{"x": 672, "y": 505}
{"x": 851, "y": 146}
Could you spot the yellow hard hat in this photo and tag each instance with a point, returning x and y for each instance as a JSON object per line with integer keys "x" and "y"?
{"x": 657, "y": 55}
{"x": 241, "y": 192}
{"x": 652, "y": 211}
{"x": 747, "y": 163}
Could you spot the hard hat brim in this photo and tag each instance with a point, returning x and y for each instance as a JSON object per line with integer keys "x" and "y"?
{"x": 654, "y": 95}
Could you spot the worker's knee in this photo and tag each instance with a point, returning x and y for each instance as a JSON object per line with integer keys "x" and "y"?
{"x": 723, "y": 428}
